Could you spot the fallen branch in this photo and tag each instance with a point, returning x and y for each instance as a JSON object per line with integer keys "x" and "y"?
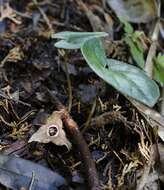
{"x": 89, "y": 165}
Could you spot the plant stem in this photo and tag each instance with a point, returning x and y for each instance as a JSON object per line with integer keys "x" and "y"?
{"x": 149, "y": 60}
{"x": 152, "y": 51}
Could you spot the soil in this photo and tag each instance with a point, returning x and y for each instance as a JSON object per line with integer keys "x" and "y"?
{"x": 33, "y": 71}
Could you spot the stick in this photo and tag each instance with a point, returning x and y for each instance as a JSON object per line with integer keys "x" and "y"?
{"x": 89, "y": 165}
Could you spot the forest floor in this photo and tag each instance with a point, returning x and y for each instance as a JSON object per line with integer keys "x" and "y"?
{"x": 33, "y": 71}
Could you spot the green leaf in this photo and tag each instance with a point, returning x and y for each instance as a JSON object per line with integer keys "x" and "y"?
{"x": 132, "y": 40}
{"x": 160, "y": 60}
{"x": 159, "y": 68}
{"x": 127, "y": 26}
{"x": 158, "y": 74}
{"x": 74, "y": 40}
{"x": 127, "y": 79}
{"x": 67, "y": 45}
{"x": 136, "y": 52}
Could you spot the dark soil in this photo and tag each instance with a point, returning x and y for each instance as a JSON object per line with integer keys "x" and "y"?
{"x": 36, "y": 72}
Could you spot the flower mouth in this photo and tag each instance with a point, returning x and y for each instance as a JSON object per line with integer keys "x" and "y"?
{"x": 53, "y": 131}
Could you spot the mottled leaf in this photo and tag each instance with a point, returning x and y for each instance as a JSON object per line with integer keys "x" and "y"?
{"x": 126, "y": 78}
{"x": 74, "y": 40}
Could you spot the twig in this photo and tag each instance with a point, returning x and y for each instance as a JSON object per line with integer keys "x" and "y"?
{"x": 69, "y": 87}
{"x": 43, "y": 15}
{"x": 153, "y": 117}
{"x": 53, "y": 22}
{"x": 149, "y": 60}
{"x": 153, "y": 47}
{"x": 154, "y": 158}
{"x": 109, "y": 117}
{"x": 10, "y": 98}
{"x": 5, "y": 122}
{"x": 8, "y": 12}
{"x": 32, "y": 181}
{"x": 89, "y": 165}
{"x": 26, "y": 116}
{"x": 90, "y": 115}
{"x": 86, "y": 158}
{"x": 152, "y": 51}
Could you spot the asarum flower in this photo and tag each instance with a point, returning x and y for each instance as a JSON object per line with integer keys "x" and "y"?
{"x": 52, "y": 131}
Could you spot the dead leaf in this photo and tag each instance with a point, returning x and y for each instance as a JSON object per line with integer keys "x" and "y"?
{"x": 16, "y": 173}
{"x": 52, "y": 131}
{"x": 161, "y": 168}
{"x": 137, "y": 11}
{"x": 154, "y": 118}
{"x": 149, "y": 178}
{"x": 7, "y": 12}
{"x": 14, "y": 55}
{"x": 98, "y": 24}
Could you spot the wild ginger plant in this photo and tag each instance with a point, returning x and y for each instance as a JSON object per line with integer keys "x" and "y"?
{"x": 126, "y": 78}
